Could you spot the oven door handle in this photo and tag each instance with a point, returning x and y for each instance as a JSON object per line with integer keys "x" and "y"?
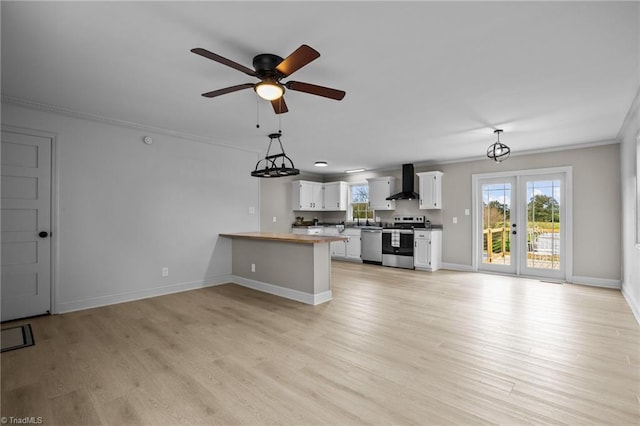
{"x": 401, "y": 231}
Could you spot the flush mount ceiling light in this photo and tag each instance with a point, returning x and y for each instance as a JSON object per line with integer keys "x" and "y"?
{"x": 498, "y": 151}
{"x": 320, "y": 164}
{"x": 269, "y": 90}
{"x": 268, "y": 167}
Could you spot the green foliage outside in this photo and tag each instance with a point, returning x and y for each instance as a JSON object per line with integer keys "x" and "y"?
{"x": 543, "y": 217}
{"x": 543, "y": 208}
{"x": 360, "y": 202}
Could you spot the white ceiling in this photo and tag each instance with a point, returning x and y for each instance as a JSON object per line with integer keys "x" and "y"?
{"x": 425, "y": 81}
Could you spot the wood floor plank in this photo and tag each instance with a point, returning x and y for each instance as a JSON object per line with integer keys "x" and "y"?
{"x": 394, "y": 346}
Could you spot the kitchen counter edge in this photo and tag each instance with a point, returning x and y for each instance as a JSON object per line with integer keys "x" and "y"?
{"x": 289, "y": 238}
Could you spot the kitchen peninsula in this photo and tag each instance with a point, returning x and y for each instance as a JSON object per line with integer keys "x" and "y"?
{"x": 294, "y": 266}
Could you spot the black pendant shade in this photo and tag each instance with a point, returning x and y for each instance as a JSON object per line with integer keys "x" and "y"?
{"x": 275, "y": 165}
{"x": 498, "y": 151}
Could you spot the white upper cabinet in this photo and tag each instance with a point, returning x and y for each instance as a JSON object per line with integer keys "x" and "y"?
{"x": 306, "y": 195}
{"x": 430, "y": 190}
{"x": 379, "y": 189}
{"x": 317, "y": 196}
{"x": 335, "y": 196}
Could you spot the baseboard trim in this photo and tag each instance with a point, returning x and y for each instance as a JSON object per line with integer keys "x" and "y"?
{"x": 96, "y": 302}
{"x": 596, "y": 282}
{"x": 457, "y": 267}
{"x": 287, "y": 293}
{"x": 632, "y": 304}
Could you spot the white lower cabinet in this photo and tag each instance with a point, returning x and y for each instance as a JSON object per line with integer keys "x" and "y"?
{"x": 349, "y": 249}
{"x": 427, "y": 253}
{"x": 338, "y": 249}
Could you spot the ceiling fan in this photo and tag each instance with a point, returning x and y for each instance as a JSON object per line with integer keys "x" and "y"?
{"x": 270, "y": 69}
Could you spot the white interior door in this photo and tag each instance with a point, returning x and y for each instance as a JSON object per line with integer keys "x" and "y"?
{"x": 26, "y": 225}
{"x": 497, "y": 225}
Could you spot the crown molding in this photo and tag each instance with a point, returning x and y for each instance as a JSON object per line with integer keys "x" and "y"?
{"x": 55, "y": 109}
{"x": 632, "y": 114}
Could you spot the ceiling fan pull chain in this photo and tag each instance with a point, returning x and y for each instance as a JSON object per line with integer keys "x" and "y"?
{"x": 257, "y": 114}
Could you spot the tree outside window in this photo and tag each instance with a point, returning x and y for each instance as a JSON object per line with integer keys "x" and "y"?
{"x": 360, "y": 202}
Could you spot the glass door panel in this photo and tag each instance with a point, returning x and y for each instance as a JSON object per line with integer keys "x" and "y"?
{"x": 496, "y": 213}
{"x": 544, "y": 244}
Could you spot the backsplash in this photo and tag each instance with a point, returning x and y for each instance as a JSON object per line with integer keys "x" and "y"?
{"x": 403, "y": 207}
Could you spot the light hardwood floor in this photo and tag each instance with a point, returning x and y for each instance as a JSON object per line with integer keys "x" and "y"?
{"x": 393, "y": 347}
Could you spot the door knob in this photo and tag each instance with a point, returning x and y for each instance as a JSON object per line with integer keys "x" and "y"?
{"x": 43, "y": 234}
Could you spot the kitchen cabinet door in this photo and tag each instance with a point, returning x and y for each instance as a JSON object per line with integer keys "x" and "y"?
{"x": 427, "y": 253}
{"x": 430, "y": 190}
{"x": 306, "y": 195}
{"x": 379, "y": 189}
{"x": 338, "y": 249}
{"x": 353, "y": 248}
{"x": 421, "y": 242}
{"x": 335, "y": 196}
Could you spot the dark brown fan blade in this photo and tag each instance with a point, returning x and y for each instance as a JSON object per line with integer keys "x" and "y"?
{"x": 210, "y": 55}
{"x": 298, "y": 59}
{"x": 316, "y": 90}
{"x": 226, "y": 90}
{"x": 279, "y": 105}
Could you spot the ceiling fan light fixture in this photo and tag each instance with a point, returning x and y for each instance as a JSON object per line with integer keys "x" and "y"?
{"x": 269, "y": 90}
{"x": 498, "y": 151}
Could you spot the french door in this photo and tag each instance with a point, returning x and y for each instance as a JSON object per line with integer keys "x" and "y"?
{"x": 521, "y": 223}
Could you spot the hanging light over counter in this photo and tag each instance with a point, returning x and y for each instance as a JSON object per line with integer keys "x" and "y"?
{"x": 275, "y": 165}
{"x": 498, "y": 151}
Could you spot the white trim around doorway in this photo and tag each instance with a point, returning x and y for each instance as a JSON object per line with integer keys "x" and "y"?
{"x": 568, "y": 200}
{"x": 55, "y": 206}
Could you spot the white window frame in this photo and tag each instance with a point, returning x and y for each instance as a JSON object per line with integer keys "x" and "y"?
{"x": 349, "y": 203}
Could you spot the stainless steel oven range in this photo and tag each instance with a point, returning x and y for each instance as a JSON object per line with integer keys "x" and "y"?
{"x": 397, "y": 241}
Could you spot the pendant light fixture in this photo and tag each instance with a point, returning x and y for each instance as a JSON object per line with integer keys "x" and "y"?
{"x": 275, "y": 165}
{"x": 498, "y": 151}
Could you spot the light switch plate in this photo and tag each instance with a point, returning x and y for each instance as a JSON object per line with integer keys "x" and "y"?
{"x": 455, "y": 219}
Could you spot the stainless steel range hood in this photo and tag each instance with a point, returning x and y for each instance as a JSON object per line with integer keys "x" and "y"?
{"x": 407, "y": 185}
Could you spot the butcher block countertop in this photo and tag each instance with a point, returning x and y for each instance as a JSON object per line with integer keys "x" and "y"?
{"x": 286, "y": 238}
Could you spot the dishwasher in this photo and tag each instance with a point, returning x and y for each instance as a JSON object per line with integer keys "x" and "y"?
{"x": 371, "y": 250}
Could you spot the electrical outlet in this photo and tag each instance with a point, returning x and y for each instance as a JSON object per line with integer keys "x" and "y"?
{"x": 455, "y": 219}
{"x": 274, "y": 219}
{"x": 165, "y": 272}
{"x": 253, "y": 267}
{"x": 466, "y": 212}
{"x": 252, "y": 210}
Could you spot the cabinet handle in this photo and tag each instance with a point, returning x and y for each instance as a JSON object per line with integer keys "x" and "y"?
{"x": 415, "y": 244}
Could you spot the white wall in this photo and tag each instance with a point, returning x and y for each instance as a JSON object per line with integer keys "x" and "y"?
{"x": 127, "y": 209}
{"x": 597, "y": 248}
{"x": 630, "y": 136}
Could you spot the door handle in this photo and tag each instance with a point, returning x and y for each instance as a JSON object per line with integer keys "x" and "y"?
{"x": 43, "y": 234}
